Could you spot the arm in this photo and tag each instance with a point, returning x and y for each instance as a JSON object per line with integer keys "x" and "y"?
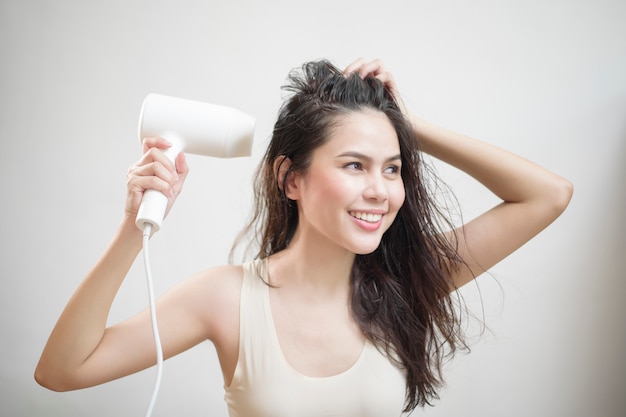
{"x": 532, "y": 197}
{"x": 81, "y": 351}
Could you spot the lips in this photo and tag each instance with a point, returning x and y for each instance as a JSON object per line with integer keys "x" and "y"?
{"x": 367, "y": 217}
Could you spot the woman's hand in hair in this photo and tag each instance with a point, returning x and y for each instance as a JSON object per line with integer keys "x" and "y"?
{"x": 376, "y": 68}
{"x": 155, "y": 171}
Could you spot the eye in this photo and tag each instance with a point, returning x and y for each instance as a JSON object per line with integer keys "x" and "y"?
{"x": 354, "y": 165}
{"x": 392, "y": 169}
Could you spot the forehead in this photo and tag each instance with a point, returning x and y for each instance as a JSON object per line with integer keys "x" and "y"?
{"x": 366, "y": 130}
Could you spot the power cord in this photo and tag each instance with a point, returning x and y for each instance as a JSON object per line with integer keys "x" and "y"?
{"x": 147, "y": 230}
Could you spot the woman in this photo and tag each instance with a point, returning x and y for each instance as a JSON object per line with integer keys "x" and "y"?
{"x": 348, "y": 308}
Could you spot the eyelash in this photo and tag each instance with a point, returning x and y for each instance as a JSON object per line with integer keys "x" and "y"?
{"x": 357, "y": 165}
{"x": 395, "y": 168}
{"x": 354, "y": 165}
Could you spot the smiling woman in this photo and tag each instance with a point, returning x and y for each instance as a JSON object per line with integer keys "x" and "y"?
{"x": 352, "y": 188}
{"x": 348, "y": 307}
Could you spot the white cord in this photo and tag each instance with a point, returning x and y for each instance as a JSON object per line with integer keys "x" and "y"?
{"x": 155, "y": 330}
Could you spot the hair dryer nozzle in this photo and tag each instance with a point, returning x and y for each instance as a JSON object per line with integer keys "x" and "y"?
{"x": 206, "y": 129}
{"x": 193, "y": 127}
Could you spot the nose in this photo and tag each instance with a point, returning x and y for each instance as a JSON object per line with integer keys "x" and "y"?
{"x": 376, "y": 188}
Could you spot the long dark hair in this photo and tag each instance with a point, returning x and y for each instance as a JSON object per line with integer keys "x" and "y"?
{"x": 401, "y": 293}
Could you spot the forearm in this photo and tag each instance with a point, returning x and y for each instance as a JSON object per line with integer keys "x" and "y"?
{"x": 532, "y": 196}
{"x": 81, "y": 326}
{"x": 509, "y": 176}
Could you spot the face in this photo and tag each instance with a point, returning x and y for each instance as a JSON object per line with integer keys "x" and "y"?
{"x": 352, "y": 191}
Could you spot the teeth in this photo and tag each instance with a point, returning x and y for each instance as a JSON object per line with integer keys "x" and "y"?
{"x": 368, "y": 217}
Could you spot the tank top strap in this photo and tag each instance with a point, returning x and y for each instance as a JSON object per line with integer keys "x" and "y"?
{"x": 255, "y": 322}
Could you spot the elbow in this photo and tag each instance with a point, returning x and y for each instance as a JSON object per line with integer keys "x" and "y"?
{"x": 562, "y": 193}
{"x": 46, "y": 381}
{"x": 557, "y": 198}
{"x": 51, "y": 379}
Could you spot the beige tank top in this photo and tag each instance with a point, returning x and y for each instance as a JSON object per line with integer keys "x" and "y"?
{"x": 265, "y": 385}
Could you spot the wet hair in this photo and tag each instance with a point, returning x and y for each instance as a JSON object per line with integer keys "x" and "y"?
{"x": 402, "y": 292}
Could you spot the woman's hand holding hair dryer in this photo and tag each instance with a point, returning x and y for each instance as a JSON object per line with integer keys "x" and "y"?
{"x": 154, "y": 171}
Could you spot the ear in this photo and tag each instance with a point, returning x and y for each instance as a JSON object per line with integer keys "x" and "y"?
{"x": 286, "y": 179}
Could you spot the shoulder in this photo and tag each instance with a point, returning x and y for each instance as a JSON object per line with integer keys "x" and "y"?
{"x": 222, "y": 285}
{"x": 221, "y": 278}
{"x": 215, "y": 294}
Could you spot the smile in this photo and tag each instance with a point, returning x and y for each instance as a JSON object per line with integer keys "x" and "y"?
{"x": 367, "y": 217}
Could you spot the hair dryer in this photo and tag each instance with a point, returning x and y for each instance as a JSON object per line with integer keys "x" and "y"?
{"x": 193, "y": 127}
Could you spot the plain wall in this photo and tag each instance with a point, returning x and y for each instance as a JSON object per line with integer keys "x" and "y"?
{"x": 545, "y": 79}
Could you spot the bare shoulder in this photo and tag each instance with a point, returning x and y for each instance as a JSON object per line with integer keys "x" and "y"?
{"x": 220, "y": 291}
{"x": 221, "y": 278}
{"x": 211, "y": 299}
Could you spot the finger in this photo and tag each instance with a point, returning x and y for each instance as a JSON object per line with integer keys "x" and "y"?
{"x": 182, "y": 170}
{"x": 387, "y": 79}
{"x": 354, "y": 66}
{"x": 155, "y": 169}
{"x": 154, "y": 142}
{"x": 152, "y": 175}
{"x": 378, "y": 69}
{"x": 373, "y": 68}
{"x": 141, "y": 183}
{"x": 155, "y": 154}
{"x": 364, "y": 67}
{"x": 137, "y": 185}
{"x": 181, "y": 165}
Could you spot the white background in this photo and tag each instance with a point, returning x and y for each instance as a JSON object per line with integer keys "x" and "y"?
{"x": 546, "y": 79}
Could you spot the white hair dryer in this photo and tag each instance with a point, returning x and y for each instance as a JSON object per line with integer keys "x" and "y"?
{"x": 193, "y": 127}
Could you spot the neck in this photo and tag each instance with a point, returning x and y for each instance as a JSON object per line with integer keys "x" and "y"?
{"x": 318, "y": 268}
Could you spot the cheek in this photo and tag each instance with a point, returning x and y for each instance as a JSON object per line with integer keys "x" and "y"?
{"x": 397, "y": 196}
{"x": 335, "y": 186}
{"x": 396, "y": 200}
{"x": 321, "y": 188}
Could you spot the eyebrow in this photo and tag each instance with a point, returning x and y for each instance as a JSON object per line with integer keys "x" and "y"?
{"x": 358, "y": 155}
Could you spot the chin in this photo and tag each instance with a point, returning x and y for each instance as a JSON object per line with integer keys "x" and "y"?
{"x": 365, "y": 249}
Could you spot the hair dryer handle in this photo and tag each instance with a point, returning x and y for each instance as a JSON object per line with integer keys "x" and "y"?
{"x": 154, "y": 203}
